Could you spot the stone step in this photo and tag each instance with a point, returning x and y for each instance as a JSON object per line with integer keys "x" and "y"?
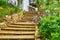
{"x": 38, "y": 39}
{"x": 26, "y": 20}
{"x": 16, "y": 36}
{"x": 21, "y": 26}
{"x": 27, "y": 16}
{"x": 17, "y": 32}
{"x": 26, "y": 23}
{"x": 18, "y": 29}
{"x": 31, "y": 14}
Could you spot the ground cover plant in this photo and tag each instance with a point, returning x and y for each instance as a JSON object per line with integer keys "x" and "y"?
{"x": 49, "y": 25}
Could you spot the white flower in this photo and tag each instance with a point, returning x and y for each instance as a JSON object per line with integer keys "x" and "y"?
{"x": 6, "y": 15}
{"x": 36, "y": 9}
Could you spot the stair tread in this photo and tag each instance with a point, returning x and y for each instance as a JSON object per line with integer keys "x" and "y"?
{"x": 24, "y": 23}
{"x": 31, "y": 14}
{"x": 17, "y": 32}
{"x": 28, "y": 17}
{"x": 16, "y": 36}
{"x": 26, "y": 20}
{"x": 20, "y": 30}
{"x": 21, "y": 26}
{"x": 9, "y": 28}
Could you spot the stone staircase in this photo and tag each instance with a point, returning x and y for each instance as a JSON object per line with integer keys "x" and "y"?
{"x": 24, "y": 29}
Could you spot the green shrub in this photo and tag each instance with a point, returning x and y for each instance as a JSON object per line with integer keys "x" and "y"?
{"x": 6, "y": 9}
{"x": 49, "y": 27}
{"x": 4, "y": 3}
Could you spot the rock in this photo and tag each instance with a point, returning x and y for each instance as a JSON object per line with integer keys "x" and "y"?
{"x": 8, "y": 19}
{"x": 15, "y": 18}
{"x": 2, "y": 25}
{"x": 13, "y": 2}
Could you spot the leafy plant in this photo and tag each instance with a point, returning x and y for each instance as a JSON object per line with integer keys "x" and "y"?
{"x": 38, "y": 2}
{"x": 4, "y": 3}
{"x": 6, "y": 9}
{"x": 49, "y": 27}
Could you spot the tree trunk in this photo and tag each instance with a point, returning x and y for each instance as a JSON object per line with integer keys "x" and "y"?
{"x": 19, "y": 3}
